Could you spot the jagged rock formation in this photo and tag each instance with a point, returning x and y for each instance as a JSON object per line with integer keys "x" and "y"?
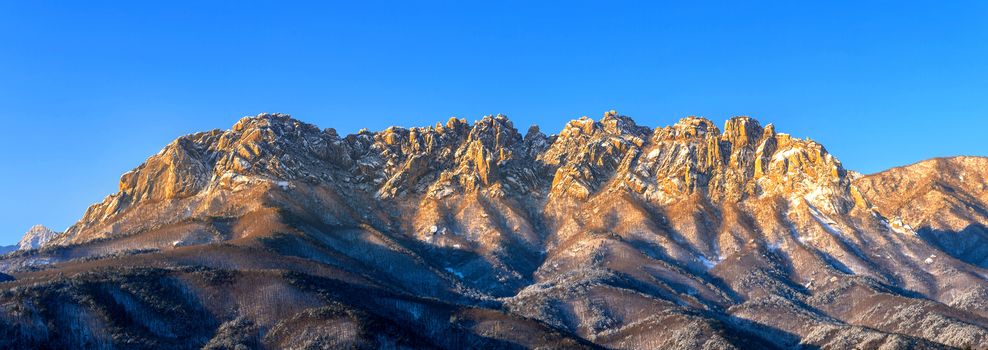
{"x": 278, "y": 234}
{"x": 36, "y": 237}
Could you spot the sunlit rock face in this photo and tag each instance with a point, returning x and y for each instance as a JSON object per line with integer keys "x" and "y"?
{"x": 279, "y": 234}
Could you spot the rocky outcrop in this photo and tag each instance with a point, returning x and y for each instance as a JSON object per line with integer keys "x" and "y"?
{"x": 607, "y": 233}
{"x": 664, "y": 165}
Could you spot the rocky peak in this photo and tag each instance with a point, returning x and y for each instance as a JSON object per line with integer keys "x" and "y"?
{"x": 535, "y": 141}
{"x": 592, "y": 232}
{"x": 746, "y": 160}
{"x": 177, "y": 171}
{"x": 616, "y": 124}
{"x": 586, "y": 135}
{"x": 270, "y": 147}
{"x": 266, "y": 120}
{"x": 587, "y": 156}
{"x": 265, "y": 138}
{"x": 742, "y": 131}
{"x": 455, "y": 124}
{"x": 579, "y": 127}
{"x": 688, "y": 128}
{"x": 36, "y": 237}
{"x": 497, "y": 134}
{"x": 587, "y": 153}
{"x": 492, "y": 141}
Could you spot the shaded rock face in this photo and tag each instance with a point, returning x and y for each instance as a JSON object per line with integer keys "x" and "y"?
{"x": 466, "y": 235}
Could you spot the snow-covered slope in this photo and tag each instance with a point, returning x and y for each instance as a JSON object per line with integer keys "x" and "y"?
{"x": 36, "y": 237}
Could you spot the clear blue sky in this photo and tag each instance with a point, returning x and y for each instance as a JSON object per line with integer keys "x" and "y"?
{"x": 88, "y": 90}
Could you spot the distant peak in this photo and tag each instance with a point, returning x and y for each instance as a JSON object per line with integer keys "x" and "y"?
{"x": 38, "y": 228}
{"x": 36, "y": 237}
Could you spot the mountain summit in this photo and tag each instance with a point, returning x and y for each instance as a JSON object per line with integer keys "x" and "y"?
{"x": 279, "y": 234}
{"x": 37, "y": 236}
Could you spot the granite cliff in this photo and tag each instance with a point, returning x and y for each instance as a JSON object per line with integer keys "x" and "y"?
{"x": 279, "y": 234}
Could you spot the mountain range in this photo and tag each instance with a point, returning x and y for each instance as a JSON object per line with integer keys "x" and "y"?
{"x": 278, "y": 234}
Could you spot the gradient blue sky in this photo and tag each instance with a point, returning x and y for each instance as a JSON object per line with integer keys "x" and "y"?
{"x": 89, "y": 89}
